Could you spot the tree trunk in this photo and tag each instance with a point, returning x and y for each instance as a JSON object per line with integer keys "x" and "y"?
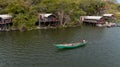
{"x": 61, "y": 16}
{"x": 67, "y": 19}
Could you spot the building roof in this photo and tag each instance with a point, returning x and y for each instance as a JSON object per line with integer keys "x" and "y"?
{"x": 5, "y": 16}
{"x": 46, "y": 15}
{"x": 93, "y": 17}
{"x": 108, "y": 15}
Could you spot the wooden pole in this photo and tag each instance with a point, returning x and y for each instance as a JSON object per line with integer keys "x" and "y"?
{"x": 39, "y": 22}
{"x": 5, "y": 27}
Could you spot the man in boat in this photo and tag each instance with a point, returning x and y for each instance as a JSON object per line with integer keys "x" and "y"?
{"x": 84, "y": 41}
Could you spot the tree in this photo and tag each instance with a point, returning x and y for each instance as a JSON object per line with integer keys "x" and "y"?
{"x": 92, "y": 7}
{"x": 65, "y": 9}
{"x": 25, "y": 12}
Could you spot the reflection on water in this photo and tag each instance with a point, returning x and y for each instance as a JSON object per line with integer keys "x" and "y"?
{"x": 36, "y": 48}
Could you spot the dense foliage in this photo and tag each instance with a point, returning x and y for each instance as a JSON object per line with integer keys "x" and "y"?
{"x": 26, "y": 12}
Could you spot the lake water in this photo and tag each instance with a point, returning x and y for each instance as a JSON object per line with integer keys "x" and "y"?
{"x": 36, "y": 48}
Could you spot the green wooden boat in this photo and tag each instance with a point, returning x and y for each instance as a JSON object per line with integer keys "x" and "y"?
{"x": 71, "y": 45}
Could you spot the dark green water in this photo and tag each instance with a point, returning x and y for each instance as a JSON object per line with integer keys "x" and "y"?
{"x": 36, "y": 49}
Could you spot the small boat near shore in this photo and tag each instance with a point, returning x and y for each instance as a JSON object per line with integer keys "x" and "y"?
{"x": 71, "y": 45}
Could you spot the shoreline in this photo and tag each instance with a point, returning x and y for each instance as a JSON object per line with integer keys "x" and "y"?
{"x": 47, "y": 27}
{"x": 39, "y": 28}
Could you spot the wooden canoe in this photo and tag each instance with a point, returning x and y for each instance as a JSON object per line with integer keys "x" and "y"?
{"x": 71, "y": 45}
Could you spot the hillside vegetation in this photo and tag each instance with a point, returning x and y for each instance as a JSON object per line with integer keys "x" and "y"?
{"x": 25, "y": 12}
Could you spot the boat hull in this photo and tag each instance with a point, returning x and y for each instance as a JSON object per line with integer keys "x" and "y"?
{"x": 61, "y": 46}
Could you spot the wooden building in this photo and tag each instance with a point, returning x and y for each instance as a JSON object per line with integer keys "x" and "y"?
{"x": 109, "y": 17}
{"x": 47, "y": 20}
{"x": 92, "y": 19}
{"x": 5, "y": 20}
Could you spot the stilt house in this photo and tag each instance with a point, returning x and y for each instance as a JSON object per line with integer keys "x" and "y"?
{"x": 92, "y": 19}
{"x": 108, "y": 17}
{"x": 5, "y": 20}
{"x": 47, "y": 20}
